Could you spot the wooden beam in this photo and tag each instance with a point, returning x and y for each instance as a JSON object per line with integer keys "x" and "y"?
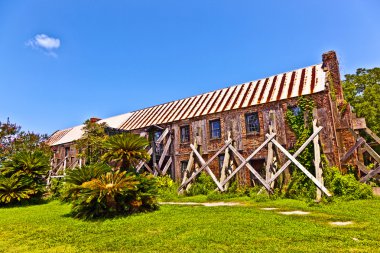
{"x": 367, "y": 147}
{"x": 317, "y": 160}
{"x": 299, "y": 151}
{"x": 168, "y": 163}
{"x": 245, "y": 162}
{"x": 349, "y": 153}
{"x": 163, "y": 155}
{"x": 302, "y": 168}
{"x": 204, "y": 165}
{"x": 248, "y": 158}
{"x": 163, "y": 135}
{"x": 208, "y": 170}
{"x": 370, "y": 174}
{"x": 361, "y": 167}
{"x": 373, "y": 135}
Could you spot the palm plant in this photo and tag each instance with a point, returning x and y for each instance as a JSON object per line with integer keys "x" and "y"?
{"x": 14, "y": 189}
{"x": 31, "y": 164}
{"x": 125, "y": 150}
{"x": 105, "y": 195}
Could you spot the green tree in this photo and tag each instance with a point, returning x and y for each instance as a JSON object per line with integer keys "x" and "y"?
{"x": 90, "y": 146}
{"x": 125, "y": 150}
{"x": 362, "y": 91}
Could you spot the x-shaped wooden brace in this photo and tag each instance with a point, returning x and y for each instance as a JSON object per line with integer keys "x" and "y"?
{"x": 245, "y": 162}
{"x": 301, "y": 167}
{"x": 370, "y": 174}
{"x": 205, "y": 166}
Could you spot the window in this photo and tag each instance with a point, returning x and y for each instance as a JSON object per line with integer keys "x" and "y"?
{"x": 185, "y": 134}
{"x": 183, "y": 166}
{"x": 252, "y": 122}
{"x": 296, "y": 110}
{"x": 159, "y": 148}
{"x": 215, "y": 130}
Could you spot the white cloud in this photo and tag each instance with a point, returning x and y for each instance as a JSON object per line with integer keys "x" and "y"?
{"x": 46, "y": 43}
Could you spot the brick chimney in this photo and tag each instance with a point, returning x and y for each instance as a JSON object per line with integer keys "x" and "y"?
{"x": 331, "y": 66}
{"x": 93, "y": 119}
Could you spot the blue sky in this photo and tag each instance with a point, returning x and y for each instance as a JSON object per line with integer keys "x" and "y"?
{"x": 62, "y": 62}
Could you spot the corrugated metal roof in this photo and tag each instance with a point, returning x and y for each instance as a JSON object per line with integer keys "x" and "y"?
{"x": 296, "y": 83}
{"x": 75, "y": 133}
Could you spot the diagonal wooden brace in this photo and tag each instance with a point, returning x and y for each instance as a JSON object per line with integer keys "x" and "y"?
{"x": 370, "y": 174}
{"x": 204, "y": 165}
{"x": 245, "y": 162}
{"x": 301, "y": 167}
{"x": 299, "y": 151}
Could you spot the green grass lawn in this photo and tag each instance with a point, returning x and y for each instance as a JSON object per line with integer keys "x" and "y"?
{"x": 48, "y": 228}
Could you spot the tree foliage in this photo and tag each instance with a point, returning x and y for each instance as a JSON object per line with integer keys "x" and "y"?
{"x": 90, "y": 145}
{"x": 362, "y": 91}
{"x": 125, "y": 150}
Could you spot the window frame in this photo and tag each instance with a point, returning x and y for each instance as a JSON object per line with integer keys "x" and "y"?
{"x": 188, "y": 133}
{"x": 247, "y": 126}
{"x": 212, "y": 129}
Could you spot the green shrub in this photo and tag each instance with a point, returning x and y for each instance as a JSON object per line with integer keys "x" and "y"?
{"x": 23, "y": 177}
{"x": 14, "y": 189}
{"x": 202, "y": 186}
{"x": 167, "y": 188}
{"x": 113, "y": 194}
{"x": 346, "y": 186}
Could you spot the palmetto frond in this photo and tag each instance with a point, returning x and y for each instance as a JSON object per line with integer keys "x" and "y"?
{"x": 109, "y": 185}
{"x": 126, "y": 150}
{"x": 14, "y": 189}
{"x": 78, "y": 176}
{"x": 33, "y": 164}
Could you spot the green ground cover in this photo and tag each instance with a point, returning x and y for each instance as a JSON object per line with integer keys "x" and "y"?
{"x": 248, "y": 228}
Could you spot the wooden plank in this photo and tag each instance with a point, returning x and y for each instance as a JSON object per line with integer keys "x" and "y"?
{"x": 269, "y": 162}
{"x": 163, "y": 155}
{"x": 190, "y": 164}
{"x": 358, "y": 123}
{"x": 249, "y": 158}
{"x": 208, "y": 170}
{"x": 361, "y": 167}
{"x": 302, "y": 168}
{"x": 168, "y": 163}
{"x": 370, "y": 174}
{"x": 367, "y": 147}
{"x": 299, "y": 151}
{"x": 163, "y": 135}
{"x": 245, "y": 162}
{"x": 204, "y": 165}
{"x": 349, "y": 153}
{"x": 226, "y": 161}
{"x": 139, "y": 166}
{"x": 373, "y": 135}
{"x": 317, "y": 159}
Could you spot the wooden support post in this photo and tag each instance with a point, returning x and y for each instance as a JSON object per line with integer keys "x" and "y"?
{"x": 269, "y": 162}
{"x": 370, "y": 174}
{"x": 301, "y": 167}
{"x": 245, "y": 162}
{"x": 226, "y": 163}
{"x": 190, "y": 163}
{"x": 317, "y": 159}
{"x": 204, "y": 165}
{"x": 372, "y": 134}
{"x": 299, "y": 151}
{"x": 367, "y": 147}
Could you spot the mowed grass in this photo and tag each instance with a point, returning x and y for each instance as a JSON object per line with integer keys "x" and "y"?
{"x": 48, "y": 228}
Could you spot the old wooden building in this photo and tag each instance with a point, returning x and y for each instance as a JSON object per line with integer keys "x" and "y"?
{"x": 244, "y": 111}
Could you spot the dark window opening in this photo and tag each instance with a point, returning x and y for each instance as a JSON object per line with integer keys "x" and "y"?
{"x": 296, "y": 110}
{"x": 184, "y": 166}
{"x": 215, "y": 130}
{"x": 252, "y": 122}
{"x": 159, "y": 147}
{"x": 185, "y": 134}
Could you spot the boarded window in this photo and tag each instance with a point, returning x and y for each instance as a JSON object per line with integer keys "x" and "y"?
{"x": 185, "y": 134}
{"x": 252, "y": 122}
{"x": 215, "y": 130}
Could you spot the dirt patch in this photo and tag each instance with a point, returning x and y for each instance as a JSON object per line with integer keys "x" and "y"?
{"x": 269, "y": 208}
{"x": 296, "y": 212}
{"x": 341, "y": 223}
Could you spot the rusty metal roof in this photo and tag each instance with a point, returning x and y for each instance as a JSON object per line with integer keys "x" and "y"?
{"x": 296, "y": 83}
{"x": 75, "y": 133}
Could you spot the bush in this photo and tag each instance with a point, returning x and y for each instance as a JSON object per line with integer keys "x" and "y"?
{"x": 167, "y": 188}
{"x": 346, "y": 186}
{"x": 23, "y": 177}
{"x": 113, "y": 194}
{"x": 202, "y": 186}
